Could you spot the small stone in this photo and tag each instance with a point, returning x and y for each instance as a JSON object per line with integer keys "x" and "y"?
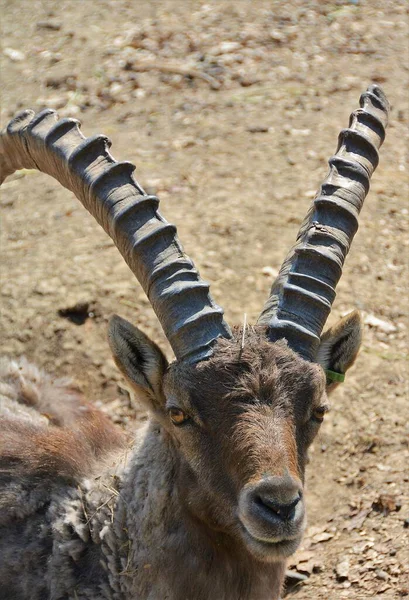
{"x": 381, "y": 574}
{"x": 247, "y": 81}
{"x": 226, "y": 47}
{"x": 379, "y": 324}
{"x": 46, "y": 287}
{"x": 277, "y": 36}
{"x": 306, "y": 567}
{"x": 357, "y": 520}
{"x": 50, "y": 25}
{"x": 300, "y": 132}
{"x": 258, "y": 129}
{"x": 342, "y": 570}
{"x": 269, "y": 271}
{"x": 303, "y": 556}
{"x": 322, "y": 537}
{"x": 14, "y": 55}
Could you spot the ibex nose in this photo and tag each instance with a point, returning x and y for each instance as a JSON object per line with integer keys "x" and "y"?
{"x": 283, "y": 511}
{"x": 277, "y": 495}
{"x": 273, "y": 508}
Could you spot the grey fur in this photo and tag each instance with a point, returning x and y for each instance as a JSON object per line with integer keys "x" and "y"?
{"x": 119, "y": 533}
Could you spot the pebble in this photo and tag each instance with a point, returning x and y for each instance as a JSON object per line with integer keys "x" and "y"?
{"x": 258, "y": 129}
{"x": 14, "y": 55}
{"x": 342, "y": 570}
{"x": 50, "y": 25}
{"x": 277, "y": 36}
{"x": 226, "y": 47}
{"x": 322, "y": 537}
{"x": 269, "y": 271}
{"x": 379, "y": 324}
{"x": 381, "y": 574}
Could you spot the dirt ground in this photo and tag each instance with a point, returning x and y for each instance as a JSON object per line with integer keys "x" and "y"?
{"x": 230, "y": 111}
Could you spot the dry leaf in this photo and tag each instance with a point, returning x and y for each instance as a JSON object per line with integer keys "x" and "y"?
{"x": 386, "y": 503}
{"x": 322, "y": 537}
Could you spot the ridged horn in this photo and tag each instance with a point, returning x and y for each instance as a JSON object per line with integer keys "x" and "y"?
{"x": 302, "y": 295}
{"x": 180, "y": 298}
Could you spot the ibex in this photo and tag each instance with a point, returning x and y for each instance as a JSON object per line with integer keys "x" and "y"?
{"x": 207, "y": 502}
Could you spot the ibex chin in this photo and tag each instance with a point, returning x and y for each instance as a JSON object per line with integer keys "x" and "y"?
{"x": 207, "y": 502}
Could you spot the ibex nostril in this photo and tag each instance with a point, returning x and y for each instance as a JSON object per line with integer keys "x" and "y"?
{"x": 276, "y": 499}
{"x": 284, "y": 511}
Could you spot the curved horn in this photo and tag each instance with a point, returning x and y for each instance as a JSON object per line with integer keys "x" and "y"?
{"x": 181, "y": 300}
{"x": 302, "y": 295}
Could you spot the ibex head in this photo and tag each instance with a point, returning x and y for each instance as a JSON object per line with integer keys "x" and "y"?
{"x": 239, "y": 408}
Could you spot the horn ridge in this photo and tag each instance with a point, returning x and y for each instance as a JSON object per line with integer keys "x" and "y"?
{"x": 62, "y": 127}
{"x": 304, "y": 290}
{"x": 180, "y": 298}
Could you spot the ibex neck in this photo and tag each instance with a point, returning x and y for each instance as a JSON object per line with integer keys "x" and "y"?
{"x": 166, "y": 553}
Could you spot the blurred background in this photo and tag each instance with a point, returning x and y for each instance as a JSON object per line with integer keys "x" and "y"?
{"x": 230, "y": 111}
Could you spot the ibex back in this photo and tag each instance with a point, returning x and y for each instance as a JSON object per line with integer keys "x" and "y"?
{"x": 207, "y": 501}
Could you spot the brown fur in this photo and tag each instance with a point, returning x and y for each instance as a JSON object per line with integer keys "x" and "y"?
{"x": 208, "y": 509}
{"x": 69, "y": 438}
{"x": 253, "y": 405}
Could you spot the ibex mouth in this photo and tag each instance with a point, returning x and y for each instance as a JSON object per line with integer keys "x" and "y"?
{"x": 273, "y": 549}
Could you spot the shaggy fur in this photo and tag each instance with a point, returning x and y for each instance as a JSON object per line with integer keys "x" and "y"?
{"x": 86, "y": 515}
{"x": 74, "y": 528}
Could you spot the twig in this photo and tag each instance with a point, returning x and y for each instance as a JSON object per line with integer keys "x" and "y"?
{"x": 187, "y": 71}
{"x": 99, "y": 508}
{"x": 128, "y": 303}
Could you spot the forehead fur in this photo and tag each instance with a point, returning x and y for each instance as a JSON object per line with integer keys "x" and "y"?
{"x": 253, "y": 370}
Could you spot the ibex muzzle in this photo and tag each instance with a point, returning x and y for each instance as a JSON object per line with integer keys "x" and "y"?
{"x": 210, "y": 501}
{"x": 272, "y": 513}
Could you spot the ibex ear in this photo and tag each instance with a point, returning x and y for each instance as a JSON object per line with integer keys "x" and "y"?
{"x": 339, "y": 348}
{"x": 140, "y": 360}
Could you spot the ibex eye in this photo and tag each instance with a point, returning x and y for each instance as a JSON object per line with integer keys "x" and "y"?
{"x": 319, "y": 413}
{"x": 177, "y": 416}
